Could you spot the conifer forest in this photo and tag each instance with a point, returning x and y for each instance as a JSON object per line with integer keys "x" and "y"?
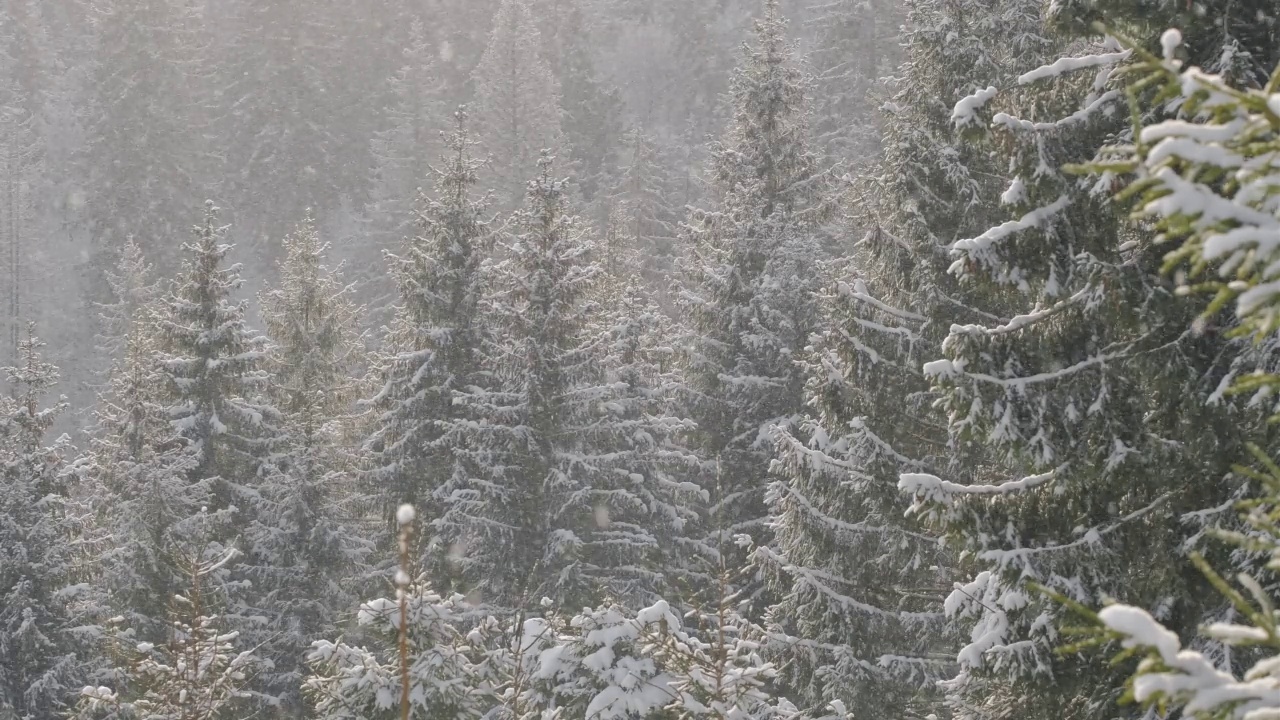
{"x": 640, "y": 360}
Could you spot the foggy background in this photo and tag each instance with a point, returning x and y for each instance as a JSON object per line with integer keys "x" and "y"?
{"x": 120, "y": 117}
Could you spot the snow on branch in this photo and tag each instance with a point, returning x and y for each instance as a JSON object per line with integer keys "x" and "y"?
{"x": 858, "y": 291}
{"x": 1065, "y": 65}
{"x": 1189, "y": 678}
{"x": 1019, "y": 322}
{"x": 1031, "y": 220}
{"x": 955, "y": 368}
{"x": 930, "y": 488}
{"x": 966, "y": 110}
{"x": 1079, "y": 116}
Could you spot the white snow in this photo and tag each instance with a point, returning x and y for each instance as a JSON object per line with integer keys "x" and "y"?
{"x": 1170, "y": 40}
{"x": 965, "y": 111}
{"x": 405, "y": 514}
{"x": 1032, "y": 219}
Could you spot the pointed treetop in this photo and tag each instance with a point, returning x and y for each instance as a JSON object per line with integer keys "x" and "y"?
{"x": 32, "y": 376}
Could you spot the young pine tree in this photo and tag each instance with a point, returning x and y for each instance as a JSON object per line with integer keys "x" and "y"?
{"x": 196, "y": 673}
{"x": 303, "y": 546}
{"x": 754, "y": 269}
{"x": 424, "y": 663}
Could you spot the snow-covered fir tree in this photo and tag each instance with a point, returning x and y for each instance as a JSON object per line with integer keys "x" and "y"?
{"x": 565, "y": 503}
{"x": 1236, "y": 40}
{"x": 40, "y": 661}
{"x": 304, "y": 545}
{"x": 139, "y": 499}
{"x": 1102, "y": 409}
{"x": 214, "y": 372}
{"x": 440, "y": 657}
{"x": 638, "y": 355}
{"x": 418, "y": 445}
{"x": 134, "y": 291}
{"x": 429, "y": 661}
{"x": 1189, "y": 676}
{"x": 517, "y": 102}
{"x": 214, "y": 381}
{"x": 611, "y": 662}
{"x": 862, "y": 587}
{"x": 1175, "y": 172}
{"x": 753, "y": 273}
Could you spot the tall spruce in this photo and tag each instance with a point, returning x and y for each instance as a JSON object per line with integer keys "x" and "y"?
{"x": 750, "y": 296}
{"x": 303, "y": 547}
{"x": 651, "y": 436}
{"x": 214, "y": 374}
{"x": 140, "y": 499}
{"x": 567, "y": 500}
{"x": 435, "y": 346}
{"x": 863, "y": 587}
{"x": 1093, "y": 392}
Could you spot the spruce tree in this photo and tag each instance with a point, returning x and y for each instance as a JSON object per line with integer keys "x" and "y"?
{"x": 568, "y": 489}
{"x": 639, "y": 358}
{"x": 139, "y": 498}
{"x": 861, "y": 587}
{"x": 517, "y": 101}
{"x": 434, "y": 349}
{"x": 1090, "y": 389}
{"x": 303, "y": 547}
{"x": 214, "y": 374}
{"x": 195, "y": 673}
{"x": 425, "y": 662}
{"x": 754, "y": 265}
{"x": 39, "y": 661}
{"x": 134, "y": 291}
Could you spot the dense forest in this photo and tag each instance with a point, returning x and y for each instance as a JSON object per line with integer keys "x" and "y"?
{"x": 640, "y": 359}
